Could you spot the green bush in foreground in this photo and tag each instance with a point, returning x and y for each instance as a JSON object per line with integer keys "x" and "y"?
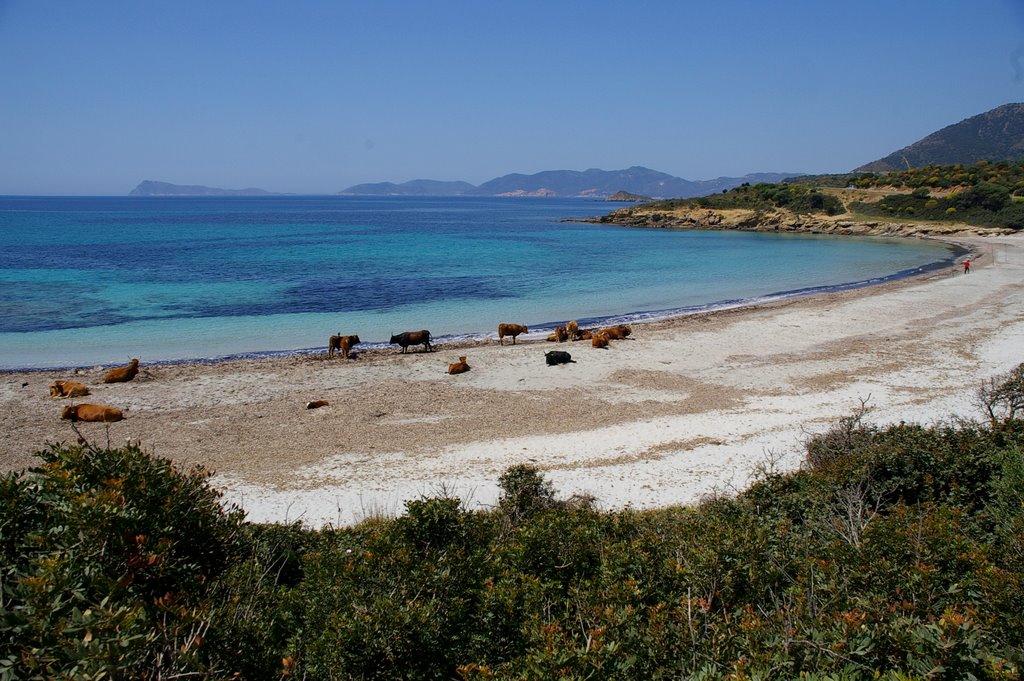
{"x": 896, "y": 553}
{"x": 107, "y": 557}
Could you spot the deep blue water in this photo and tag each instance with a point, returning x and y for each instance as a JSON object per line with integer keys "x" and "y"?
{"x": 94, "y": 280}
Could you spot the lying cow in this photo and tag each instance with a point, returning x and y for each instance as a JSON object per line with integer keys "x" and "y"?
{"x": 68, "y": 389}
{"x": 554, "y": 357}
{"x": 344, "y": 344}
{"x": 407, "y": 338}
{"x": 618, "y": 332}
{"x": 459, "y": 367}
{"x": 560, "y": 335}
{"x": 122, "y": 374}
{"x": 98, "y": 413}
{"x": 316, "y": 404}
{"x": 510, "y": 330}
{"x": 599, "y": 340}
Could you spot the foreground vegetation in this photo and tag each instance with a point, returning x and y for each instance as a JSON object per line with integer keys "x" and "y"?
{"x": 895, "y": 553}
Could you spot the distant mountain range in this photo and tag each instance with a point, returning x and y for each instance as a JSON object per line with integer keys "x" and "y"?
{"x": 996, "y": 135}
{"x": 153, "y": 188}
{"x": 600, "y": 184}
{"x": 570, "y": 183}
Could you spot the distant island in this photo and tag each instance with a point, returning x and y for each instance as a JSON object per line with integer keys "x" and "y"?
{"x": 154, "y": 188}
{"x": 627, "y": 196}
{"x": 593, "y": 183}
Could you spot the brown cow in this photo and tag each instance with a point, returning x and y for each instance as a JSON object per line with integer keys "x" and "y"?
{"x": 342, "y": 343}
{"x": 599, "y": 340}
{"x": 573, "y": 330}
{"x": 618, "y": 332}
{"x": 459, "y": 367}
{"x": 510, "y": 330}
{"x": 560, "y": 335}
{"x": 68, "y": 389}
{"x": 99, "y": 413}
{"x": 316, "y": 404}
{"x": 122, "y": 374}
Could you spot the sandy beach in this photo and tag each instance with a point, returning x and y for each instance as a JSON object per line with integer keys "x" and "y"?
{"x": 683, "y": 408}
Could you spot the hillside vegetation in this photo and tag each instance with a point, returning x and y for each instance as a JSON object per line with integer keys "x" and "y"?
{"x": 986, "y": 195}
{"x": 994, "y": 134}
{"x": 895, "y": 553}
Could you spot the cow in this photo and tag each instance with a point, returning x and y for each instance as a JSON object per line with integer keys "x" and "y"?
{"x": 618, "y": 332}
{"x": 560, "y": 335}
{"x": 122, "y": 374}
{"x": 68, "y": 389}
{"x": 459, "y": 367}
{"x": 554, "y": 357}
{"x": 599, "y": 340}
{"x": 510, "y": 330}
{"x": 586, "y": 334}
{"x": 344, "y": 344}
{"x": 572, "y": 329}
{"x": 316, "y": 404}
{"x": 407, "y": 338}
{"x": 99, "y": 413}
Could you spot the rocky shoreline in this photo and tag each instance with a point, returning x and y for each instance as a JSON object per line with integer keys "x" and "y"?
{"x": 782, "y": 221}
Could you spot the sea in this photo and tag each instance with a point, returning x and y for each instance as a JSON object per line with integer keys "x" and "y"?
{"x": 90, "y": 281}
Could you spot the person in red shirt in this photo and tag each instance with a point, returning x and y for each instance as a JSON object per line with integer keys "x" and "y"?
{"x": 967, "y": 266}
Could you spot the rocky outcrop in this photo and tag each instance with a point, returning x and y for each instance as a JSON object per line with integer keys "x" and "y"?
{"x": 784, "y": 221}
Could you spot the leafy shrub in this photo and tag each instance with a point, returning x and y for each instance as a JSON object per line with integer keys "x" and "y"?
{"x": 843, "y": 439}
{"x": 107, "y": 556}
{"x": 524, "y": 492}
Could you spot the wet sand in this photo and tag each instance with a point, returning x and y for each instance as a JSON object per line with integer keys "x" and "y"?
{"x": 682, "y": 408}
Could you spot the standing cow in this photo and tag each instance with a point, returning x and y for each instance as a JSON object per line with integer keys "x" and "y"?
{"x": 510, "y": 330}
{"x": 343, "y": 344}
{"x": 407, "y": 338}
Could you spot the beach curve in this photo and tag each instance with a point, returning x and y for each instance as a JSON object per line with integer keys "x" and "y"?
{"x": 686, "y": 407}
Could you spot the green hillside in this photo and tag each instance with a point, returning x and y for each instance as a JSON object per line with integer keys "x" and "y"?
{"x": 993, "y": 135}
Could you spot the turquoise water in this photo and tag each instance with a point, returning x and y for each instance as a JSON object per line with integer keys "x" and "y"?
{"x": 95, "y": 280}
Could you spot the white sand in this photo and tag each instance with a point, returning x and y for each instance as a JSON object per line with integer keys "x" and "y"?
{"x": 682, "y": 409}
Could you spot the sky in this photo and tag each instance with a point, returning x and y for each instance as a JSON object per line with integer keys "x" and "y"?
{"x": 311, "y": 97}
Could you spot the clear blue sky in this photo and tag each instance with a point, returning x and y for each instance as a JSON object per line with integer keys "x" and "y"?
{"x": 312, "y": 97}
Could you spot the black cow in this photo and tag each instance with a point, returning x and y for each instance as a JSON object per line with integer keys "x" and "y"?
{"x": 554, "y": 357}
{"x": 407, "y": 338}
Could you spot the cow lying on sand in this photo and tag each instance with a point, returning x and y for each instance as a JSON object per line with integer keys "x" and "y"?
{"x": 407, "y": 338}
{"x": 554, "y": 357}
{"x": 68, "y": 389}
{"x": 459, "y": 367}
{"x": 560, "y": 335}
{"x": 510, "y": 330}
{"x": 618, "y": 332}
{"x": 99, "y": 413}
{"x": 341, "y": 343}
{"x": 122, "y": 374}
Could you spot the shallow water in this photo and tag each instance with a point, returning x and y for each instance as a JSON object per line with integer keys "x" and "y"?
{"x": 95, "y": 280}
